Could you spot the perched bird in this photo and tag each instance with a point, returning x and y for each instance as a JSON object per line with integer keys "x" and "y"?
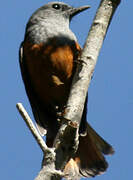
{"x": 48, "y": 57}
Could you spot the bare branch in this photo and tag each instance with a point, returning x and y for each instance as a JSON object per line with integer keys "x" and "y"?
{"x": 50, "y": 154}
{"x": 32, "y": 127}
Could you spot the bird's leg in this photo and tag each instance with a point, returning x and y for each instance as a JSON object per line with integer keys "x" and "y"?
{"x": 79, "y": 61}
{"x": 60, "y": 111}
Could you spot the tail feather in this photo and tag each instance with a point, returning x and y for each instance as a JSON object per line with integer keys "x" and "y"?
{"x": 101, "y": 144}
{"x": 89, "y": 160}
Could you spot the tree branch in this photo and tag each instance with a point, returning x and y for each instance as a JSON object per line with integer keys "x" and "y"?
{"x": 48, "y": 170}
{"x": 66, "y": 142}
{"x": 32, "y": 128}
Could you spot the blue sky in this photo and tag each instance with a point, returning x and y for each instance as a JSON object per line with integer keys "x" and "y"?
{"x": 110, "y": 106}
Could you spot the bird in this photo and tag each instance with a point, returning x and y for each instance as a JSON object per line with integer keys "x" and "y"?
{"x": 48, "y": 60}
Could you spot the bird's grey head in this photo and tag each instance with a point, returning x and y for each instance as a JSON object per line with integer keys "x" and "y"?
{"x": 50, "y": 20}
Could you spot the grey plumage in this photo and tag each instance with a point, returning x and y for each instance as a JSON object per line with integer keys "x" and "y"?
{"x": 48, "y": 22}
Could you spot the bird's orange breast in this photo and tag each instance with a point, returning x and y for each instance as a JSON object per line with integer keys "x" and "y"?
{"x": 50, "y": 69}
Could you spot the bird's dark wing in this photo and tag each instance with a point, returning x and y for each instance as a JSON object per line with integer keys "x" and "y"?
{"x": 38, "y": 111}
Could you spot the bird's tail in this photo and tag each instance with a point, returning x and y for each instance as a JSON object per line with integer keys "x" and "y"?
{"x": 89, "y": 160}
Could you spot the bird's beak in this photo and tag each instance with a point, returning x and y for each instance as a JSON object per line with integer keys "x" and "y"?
{"x": 75, "y": 11}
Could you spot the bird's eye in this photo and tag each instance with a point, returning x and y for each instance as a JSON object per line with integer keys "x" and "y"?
{"x": 56, "y": 6}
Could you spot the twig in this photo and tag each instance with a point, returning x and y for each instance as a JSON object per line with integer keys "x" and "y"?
{"x": 32, "y": 127}
{"x": 49, "y": 152}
